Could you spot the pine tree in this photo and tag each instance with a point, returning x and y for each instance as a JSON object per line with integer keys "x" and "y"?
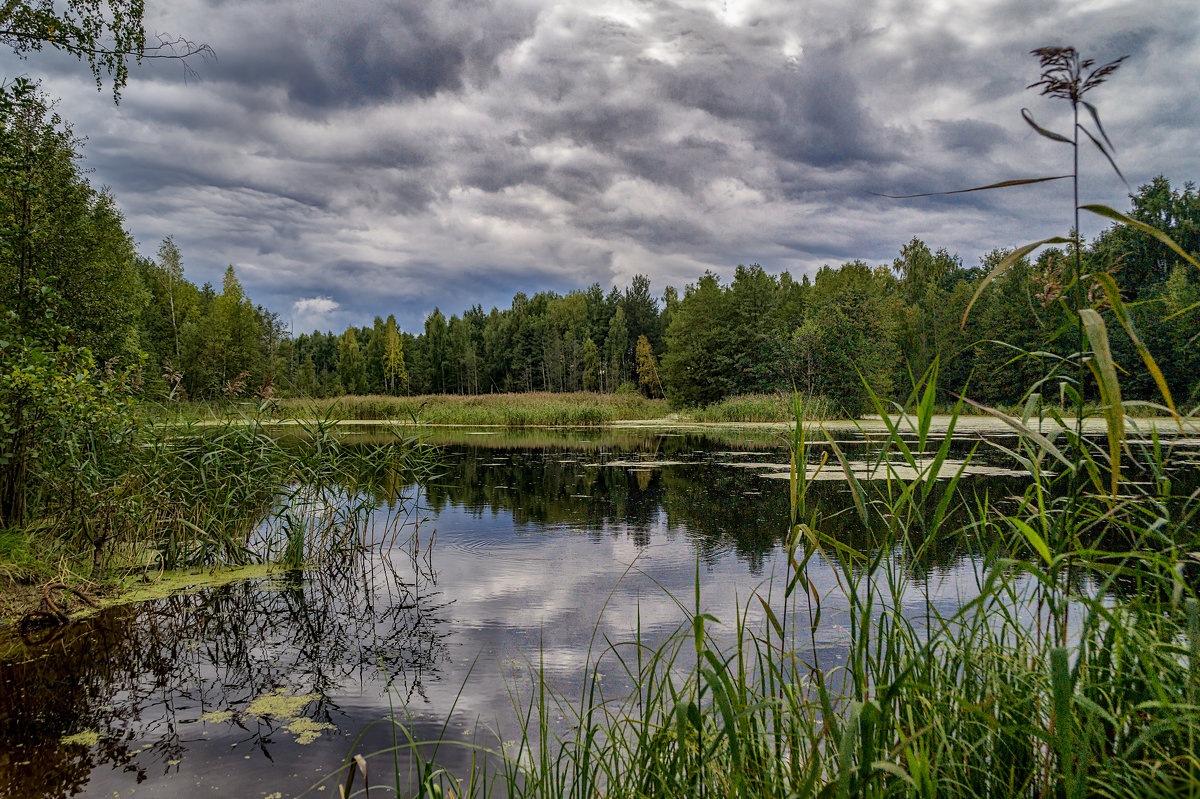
{"x": 591, "y": 366}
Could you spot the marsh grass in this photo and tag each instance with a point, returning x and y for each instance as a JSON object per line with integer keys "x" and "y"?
{"x": 776, "y": 407}
{"x": 512, "y": 410}
{"x": 207, "y": 495}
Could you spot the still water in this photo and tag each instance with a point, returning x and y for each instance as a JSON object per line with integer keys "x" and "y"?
{"x": 529, "y": 552}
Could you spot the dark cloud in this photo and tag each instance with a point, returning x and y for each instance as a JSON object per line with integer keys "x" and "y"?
{"x": 386, "y": 157}
{"x": 972, "y": 135}
{"x": 366, "y": 53}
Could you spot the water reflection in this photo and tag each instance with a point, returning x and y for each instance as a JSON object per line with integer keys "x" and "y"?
{"x": 170, "y": 684}
{"x": 531, "y": 549}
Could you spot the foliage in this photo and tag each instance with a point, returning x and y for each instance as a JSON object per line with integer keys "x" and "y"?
{"x": 647, "y": 369}
{"x": 777, "y": 407}
{"x": 698, "y": 363}
{"x": 105, "y": 33}
{"x": 61, "y": 417}
{"x": 56, "y": 224}
{"x": 395, "y": 375}
{"x": 847, "y": 342}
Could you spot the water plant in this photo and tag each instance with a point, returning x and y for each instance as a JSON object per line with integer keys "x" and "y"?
{"x": 219, "y": 494}
{"x": 1071, "y": 669}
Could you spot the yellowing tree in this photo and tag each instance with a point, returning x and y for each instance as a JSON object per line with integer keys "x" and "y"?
{"x": 395, "y": 375}
{"x": 647, "y": 369}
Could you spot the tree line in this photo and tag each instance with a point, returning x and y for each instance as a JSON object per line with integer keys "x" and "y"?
{"x": 847, "y": 325}
{"x": 825, "y": 335}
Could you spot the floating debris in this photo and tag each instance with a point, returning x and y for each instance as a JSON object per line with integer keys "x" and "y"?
{"x": 891, "y": 470}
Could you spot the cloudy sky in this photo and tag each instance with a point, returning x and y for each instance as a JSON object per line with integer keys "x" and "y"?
{"x": 369, "y": 157}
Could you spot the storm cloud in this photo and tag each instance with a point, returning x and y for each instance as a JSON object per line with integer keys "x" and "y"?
{"x": 368, "y": 158}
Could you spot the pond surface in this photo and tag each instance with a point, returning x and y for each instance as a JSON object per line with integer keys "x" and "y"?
{"x": 532, "y": 548}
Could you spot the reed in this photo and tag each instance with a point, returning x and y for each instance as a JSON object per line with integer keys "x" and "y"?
{"x": 193, "y": 495}
{"x": 511, "y": 410}
{"x": 777, "y": 407}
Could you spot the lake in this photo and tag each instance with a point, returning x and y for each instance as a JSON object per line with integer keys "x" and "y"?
{"x": 532, "y": 550}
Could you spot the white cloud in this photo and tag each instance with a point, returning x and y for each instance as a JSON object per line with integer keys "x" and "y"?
{"x": 314, "y": 313}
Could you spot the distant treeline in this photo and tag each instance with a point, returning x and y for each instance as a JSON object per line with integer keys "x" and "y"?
{"x": 824, "y": 336}
{"x": 758, "y": 333}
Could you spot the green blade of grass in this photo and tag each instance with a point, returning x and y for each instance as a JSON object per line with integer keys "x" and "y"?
{"x": 1105, "y": 371}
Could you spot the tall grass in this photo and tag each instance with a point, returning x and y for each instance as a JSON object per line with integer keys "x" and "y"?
{"x": 777, "y": 407}
{"x": 513, "y": 410}
{"x": 195, "y": 495}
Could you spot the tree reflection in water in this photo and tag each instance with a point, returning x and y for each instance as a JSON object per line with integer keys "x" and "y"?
{"x": 160, "y": 678}
{"x": 170, "y": 686}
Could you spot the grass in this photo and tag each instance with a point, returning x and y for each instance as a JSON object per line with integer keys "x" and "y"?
{"x": 777, "y": 407}
{"x": 192, "y": 496}
{"x": 533, "y": 409}
{"x": 512, "y": 410}
{"x": 1074, "y": 670}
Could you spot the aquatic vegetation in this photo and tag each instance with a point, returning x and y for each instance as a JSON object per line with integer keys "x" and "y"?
{"x": 225, "y": 494}
{"x": 86, "y": 738}
{"x": 777, "y": 407}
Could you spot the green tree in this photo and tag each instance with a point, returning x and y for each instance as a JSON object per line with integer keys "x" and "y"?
{"x": 697, "y": 367}
{"x": 647, "y": 369}
{"x": 55, "y": 224}
{"x": 1143, "y": 264}
{"x": 846, "y": 338}
{"x": 616, "y": 343}
{"x": 170, "y": 263}
{"x": 239, "y": 360}
{"x": 373, "y": 357}
{"x": 59, "y": 413}
{"x": 306, "y": 377}
{"x": 436, "y": 351}
{"x": 591, "y": 366}
{"x": 351, "y": 370}
{"x": 751, "y": 301}
{"x": 641, "y": 311}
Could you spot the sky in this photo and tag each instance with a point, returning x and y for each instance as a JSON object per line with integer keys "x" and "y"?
{"x": 362, "y": 158}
